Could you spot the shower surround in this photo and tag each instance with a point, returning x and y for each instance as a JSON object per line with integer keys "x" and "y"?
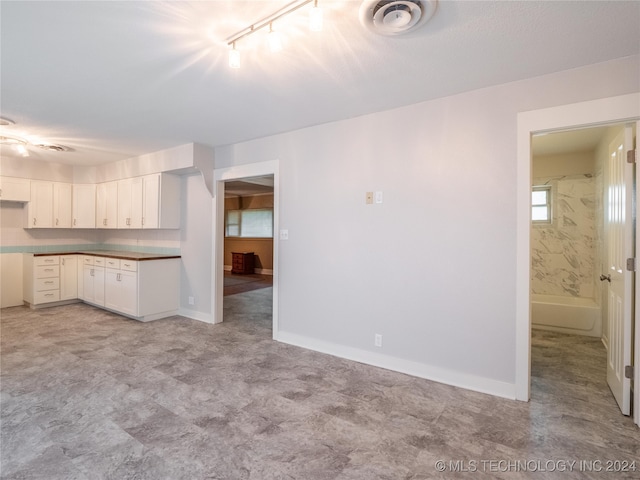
{"x": 564, "y": 252}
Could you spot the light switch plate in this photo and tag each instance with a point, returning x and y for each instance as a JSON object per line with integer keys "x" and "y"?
{"x": 284, "y": 234}
{"x": 378, "y": 197}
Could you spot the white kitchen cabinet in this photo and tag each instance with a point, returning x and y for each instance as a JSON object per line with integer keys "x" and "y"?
{"x": 62, "y": 195}
{"x": 14, "y": 189}
{"x": 130, "y": 203}
{"x": 107, "y": 205}
{"x": 150, "y": 202}
{"x": 68, "y": 277}
{"x": 84, "y": 206}
{"x": 93, "y": 280}
{"x": 39, "y": 211}
{"x": 41, "y": 279}
{"x": 121, "y": 287}
{"x": 161, "y": 201}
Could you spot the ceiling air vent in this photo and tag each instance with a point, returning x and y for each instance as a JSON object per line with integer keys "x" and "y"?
{"x": 396, "y": 17}
{"x": 53, "y": 147}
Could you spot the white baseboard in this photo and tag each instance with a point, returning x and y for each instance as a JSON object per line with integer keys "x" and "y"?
{"x": 200, "y": 316}
{"x": 227, "y": 268}
{"x": 437, "y": 374}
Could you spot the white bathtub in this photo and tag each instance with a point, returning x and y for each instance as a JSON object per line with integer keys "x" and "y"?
{"x": 579, "y": 316}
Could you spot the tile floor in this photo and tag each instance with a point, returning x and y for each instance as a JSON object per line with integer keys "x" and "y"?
{"x": 86, "y": 394}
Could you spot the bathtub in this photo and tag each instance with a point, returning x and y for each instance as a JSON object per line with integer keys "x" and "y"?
{"x": 579, "y": 316}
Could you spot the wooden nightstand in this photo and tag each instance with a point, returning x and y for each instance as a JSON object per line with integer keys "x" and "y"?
{"x": 242, "y": 262}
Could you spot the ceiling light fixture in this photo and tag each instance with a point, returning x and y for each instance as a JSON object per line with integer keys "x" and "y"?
{"x": 275, "y": 43}
{"x": 20, "y": 144}
{"x": 4, "y": 121}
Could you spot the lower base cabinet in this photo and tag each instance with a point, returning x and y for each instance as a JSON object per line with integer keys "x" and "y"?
{"x": 144, "y": 290}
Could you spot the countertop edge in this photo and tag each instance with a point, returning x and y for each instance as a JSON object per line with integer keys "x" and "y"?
{"x": 118, "y": 255}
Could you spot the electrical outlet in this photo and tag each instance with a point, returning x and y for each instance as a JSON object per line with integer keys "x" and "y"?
{"x": 192, "y": 301}
{"x": 377, "y": 340}
{"x": 369, "y": 198}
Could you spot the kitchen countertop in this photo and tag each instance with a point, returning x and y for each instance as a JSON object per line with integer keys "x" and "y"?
{"x": 137, "y": 256}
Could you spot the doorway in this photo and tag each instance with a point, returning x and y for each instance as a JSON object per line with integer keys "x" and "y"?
{"x": 245, "y": 181}
{"x": 248, "y": 251}
{"x": 619, "y": 109}
{"x": 569, "y": 335}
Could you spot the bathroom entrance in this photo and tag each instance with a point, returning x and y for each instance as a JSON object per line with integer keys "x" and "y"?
{"x": 578, "y": 262}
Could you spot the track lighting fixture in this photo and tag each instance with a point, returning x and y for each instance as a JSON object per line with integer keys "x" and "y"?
{"x": 275, "y": 41}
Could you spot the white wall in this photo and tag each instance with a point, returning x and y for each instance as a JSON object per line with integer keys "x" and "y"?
{"x": 441, "y": 290}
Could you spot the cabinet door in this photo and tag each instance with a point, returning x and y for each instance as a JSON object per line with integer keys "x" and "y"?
{"x": 84, "y": 206}
{"x": 62, "y": 205}
{"x": 107, "y": 205}
{"x": 151, "y": 201}
{"x": 15, "y": 189}
{"x": 124, "y": 203}
{"x": 111, "y": 289}
{"x": 40, "y": 209}
{"x": 137, "y": 211}
{"x": 98, "y": 285}
{"x": 121, "y": 291}
{"x": 68, "y": 277}
{"x": 88, "y": 283}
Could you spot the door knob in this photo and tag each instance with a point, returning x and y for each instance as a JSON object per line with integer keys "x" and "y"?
{"x": 605, "y": 277}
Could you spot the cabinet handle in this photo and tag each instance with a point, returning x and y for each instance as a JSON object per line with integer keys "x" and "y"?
{"x": 48, "y": 269}
{"x": 104, "y": 222}
{"x": 118, "y": 278}
{"x": 92, "y": 272}
{"x": 48, "y": 260}
{"x": 74, "y": 222}
{"x": 56, "y": 222}
{"x": 0, "y": 192}
{"x": 142, "y": 220}
{"x": 62, "y": 261}
{"x": 48, "y": 294}
{"x": 126, "y": 264}
{"x": 49, "y": 282}
{"x": 34, "y": 220}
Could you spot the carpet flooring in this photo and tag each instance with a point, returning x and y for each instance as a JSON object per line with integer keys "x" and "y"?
{"x": 86, "y": 394}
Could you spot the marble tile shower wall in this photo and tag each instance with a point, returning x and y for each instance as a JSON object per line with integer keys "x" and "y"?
{"x": 564, "y": 253}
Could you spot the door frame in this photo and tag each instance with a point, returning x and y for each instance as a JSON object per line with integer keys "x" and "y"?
{"x": 220, "y": 176}
{"x": 619, "y": 109}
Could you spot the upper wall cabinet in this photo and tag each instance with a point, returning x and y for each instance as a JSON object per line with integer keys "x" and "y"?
{"x": 39, "y": 211}
{"x": 161, "y": 201}
{"x": 107, "y": 205}
{"x": 62, "y": 195}
{"x": 15, "y": 189}
{"x": 152, "y": 201}
{"x": 84, "y": 206}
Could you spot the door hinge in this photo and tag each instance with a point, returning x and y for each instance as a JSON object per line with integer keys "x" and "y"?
{"x": 628, "y": 371}
{"x": 632, "y": 156}
{"x": 631, "y": 264}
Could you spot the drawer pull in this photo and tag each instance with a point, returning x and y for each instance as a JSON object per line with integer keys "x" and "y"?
{"x": 48, "y": 282}
{"x": 48, "y": 294}
{"x": 48, "y": 269}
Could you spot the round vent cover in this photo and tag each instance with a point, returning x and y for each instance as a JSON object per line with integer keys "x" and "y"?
{"x": 396, "y": 17}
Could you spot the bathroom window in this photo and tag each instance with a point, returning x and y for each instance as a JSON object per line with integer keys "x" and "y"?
{"x": 541, "y": 204}
{"x": 252, "y": 223}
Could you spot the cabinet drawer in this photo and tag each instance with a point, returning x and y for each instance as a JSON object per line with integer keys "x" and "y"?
{"x": 42, "y": 284}
{"x": 52, "y": 260}
{"x": 48, "y": 296}
{"x": 87, "y": 260}
{"x": 129, "y": 265}
{"x": 101, "y": 261}
{"x": 47, "y": 271}
{"x": 112, "y": 263}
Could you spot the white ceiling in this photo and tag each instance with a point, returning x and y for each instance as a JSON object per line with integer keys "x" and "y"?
{"x": 115, "y": 80}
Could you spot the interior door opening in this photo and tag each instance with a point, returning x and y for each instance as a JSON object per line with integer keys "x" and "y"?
{"x": 579, "y": 211}
{"x": 248, "y": 250}
{"x": 248, "y": 181}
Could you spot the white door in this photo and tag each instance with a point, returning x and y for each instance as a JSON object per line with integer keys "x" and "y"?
{"x": 619, "y": 224}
